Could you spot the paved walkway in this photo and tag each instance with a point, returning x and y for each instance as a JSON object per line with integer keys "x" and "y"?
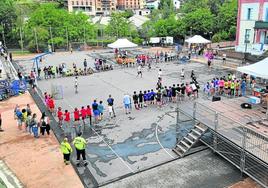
{"x": 35, "y": 162}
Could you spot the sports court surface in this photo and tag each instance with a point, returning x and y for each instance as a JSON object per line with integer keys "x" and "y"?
{"x": 127, "y": 143}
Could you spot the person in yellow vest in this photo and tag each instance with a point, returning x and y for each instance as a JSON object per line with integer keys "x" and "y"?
{"x": 66, "y": 150}
{"x": 226, "y": 87}
{"x": 232, "y": 88}
{"x": 80, "y": 146}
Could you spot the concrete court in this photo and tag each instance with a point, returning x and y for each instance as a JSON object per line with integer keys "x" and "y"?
{"x": 131, "y": 143}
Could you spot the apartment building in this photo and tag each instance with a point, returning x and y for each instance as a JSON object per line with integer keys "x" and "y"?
{"x": 92, "y": 7}
{"x": 252, "y": 26}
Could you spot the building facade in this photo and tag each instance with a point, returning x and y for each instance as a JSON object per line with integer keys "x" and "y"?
{"x": 130, "y": 4}
{"x": 252, "y": 26}
{"x": 92, "y": 7}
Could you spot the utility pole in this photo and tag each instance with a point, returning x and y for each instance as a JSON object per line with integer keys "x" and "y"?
{"x": 67, "y": 39}
{"x": 36, "y": 42}
{"x": 51, "y": 38}
{"x": 84, "y": 35}
{"x": 3, "y": 35}
{"x": 21, "y": 41}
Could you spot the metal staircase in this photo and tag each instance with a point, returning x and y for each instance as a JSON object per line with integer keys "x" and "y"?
{"x": 186, "y": 143}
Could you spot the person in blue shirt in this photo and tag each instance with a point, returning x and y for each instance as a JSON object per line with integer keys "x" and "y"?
{"x": 19, "y": 117}
{"x": 95, "y": 110}
{"x": 243, "y": 87}
{"x": 101, "y": 109}
{"x": 145, "y": 98}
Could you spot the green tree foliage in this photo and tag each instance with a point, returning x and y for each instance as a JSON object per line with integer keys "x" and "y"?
{"x": 49, "y": 20}
{"x": 7, "y": 14}
{"x": 199, "y": 21}
{"x": 119, "y": 26}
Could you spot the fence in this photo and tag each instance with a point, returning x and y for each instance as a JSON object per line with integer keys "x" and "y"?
{"x": 241, "y": 146}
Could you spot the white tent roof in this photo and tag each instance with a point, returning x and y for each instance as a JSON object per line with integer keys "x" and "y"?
{"x": 138, "y": 20}
{"x": 197, "y": 39}
{"x": 259, "y": 69}
{"x": 122, "y": 43}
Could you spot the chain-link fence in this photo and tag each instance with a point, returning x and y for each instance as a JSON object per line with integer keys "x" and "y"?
{"x": 41, "y": 39}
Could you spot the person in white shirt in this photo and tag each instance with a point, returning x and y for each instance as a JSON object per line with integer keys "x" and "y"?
{"x": 139, "y": 71}
{"x": 182, "y": 73}
{"x": 76, "y": 84}
{"x": 160, "y": 74}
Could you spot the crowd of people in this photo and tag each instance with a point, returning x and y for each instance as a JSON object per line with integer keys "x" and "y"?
{"x": 229, "y": 86}
{"x": 29, "y": 121}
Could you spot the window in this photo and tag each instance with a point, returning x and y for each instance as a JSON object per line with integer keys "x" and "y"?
{"x": 86, "y": 3}
{"x": 77, "y": 3}
{"x": 90, "y": 3}
{"x": 247, "y": 35}
{"x": 266, "y": 15}
{"x": 249, "y": 13}
{"x": 82, "y": 3}
{"x": 72, "y": 2}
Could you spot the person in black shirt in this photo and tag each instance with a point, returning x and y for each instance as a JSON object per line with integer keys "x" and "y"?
{"x": 136, "y": 99}
{"x": 110, "y": 102}
{"x": 159, "y": 98}
{"x": 178, "y": 90}
{"x": 183, "y": 88}
{"x": 173, "y": 93}
{"x": 140, "y": 99}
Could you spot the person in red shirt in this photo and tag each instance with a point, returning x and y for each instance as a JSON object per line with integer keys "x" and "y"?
{"x": 51, "y": 104}
{"x": 67, "y": 120}
{"x": 83, "y": 114}
{"x": 76, "y": 115}
{"x": 89, "y": 114}
{"x": 60, "y": 116}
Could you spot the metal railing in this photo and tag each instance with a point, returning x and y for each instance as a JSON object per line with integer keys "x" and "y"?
{"x": 241, "y": 146}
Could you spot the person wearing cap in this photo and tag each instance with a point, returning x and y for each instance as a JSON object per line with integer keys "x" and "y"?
{"x": 66, "y": 150}
{"x": 80, "y": 146}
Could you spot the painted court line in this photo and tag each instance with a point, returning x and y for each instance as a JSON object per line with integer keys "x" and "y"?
{"x": 106, "y": 143}
{"x": 156, "y": 135}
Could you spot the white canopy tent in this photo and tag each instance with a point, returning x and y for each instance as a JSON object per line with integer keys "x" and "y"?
{"x": 122, "y": 43}
{"x": 197, "y": 39}
{"x": 259, "y": 69}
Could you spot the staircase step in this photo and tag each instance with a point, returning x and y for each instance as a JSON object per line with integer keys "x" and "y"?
{"x": 189, "y": 140}
{"x": 196, "y": 132}
{"x": 191, "y": 135}
{"x": 182, "y": 148}
{"x": 184, "y": 143}
{"x": 177, "y": 152}
{"x": 200, "y": 128}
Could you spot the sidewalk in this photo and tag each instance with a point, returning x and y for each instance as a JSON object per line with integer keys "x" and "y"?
{"x": 35, "y": 162}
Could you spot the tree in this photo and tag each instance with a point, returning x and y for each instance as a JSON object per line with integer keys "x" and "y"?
{"x": 227, "y": 15}
{"x": 57, "y": 26}
{"x": 199, "y": 21}
{"x": 119, "y": 26}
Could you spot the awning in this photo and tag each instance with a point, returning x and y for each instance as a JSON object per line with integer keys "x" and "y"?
{"x": 259, "y": 69}
{"x": 197, "y": 39}
{"x": 122, "y": 43}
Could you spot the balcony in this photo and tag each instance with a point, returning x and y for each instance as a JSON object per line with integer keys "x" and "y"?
{"x": 261, "y": 25}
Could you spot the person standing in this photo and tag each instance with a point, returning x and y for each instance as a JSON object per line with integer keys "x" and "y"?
{"x": 101, "y": 109}
{"x": 127, "y": 103}
{"x": 67, "y": 120}
{"x": 160, "y": 74}
{"x": 60, "y": 116}
{"x": 80, "y": 146}
{"x": 44, "y": 124}
{"x": 66, "y": 150}
{"x": 136, "y": 100}
{"x": 110, "y": 102}
{"x": 85, "y": 66}
{"x": 76, "y": 84}
{"x": 140, "y": 99}
{"x": 243, "y": 88}
{"x": 34, "y": 125}
{"x": 76, "y": 122}
{"x": 139, "y": 71}
{"x": 89, "y": 114}
{"x": 95, "y": 110}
